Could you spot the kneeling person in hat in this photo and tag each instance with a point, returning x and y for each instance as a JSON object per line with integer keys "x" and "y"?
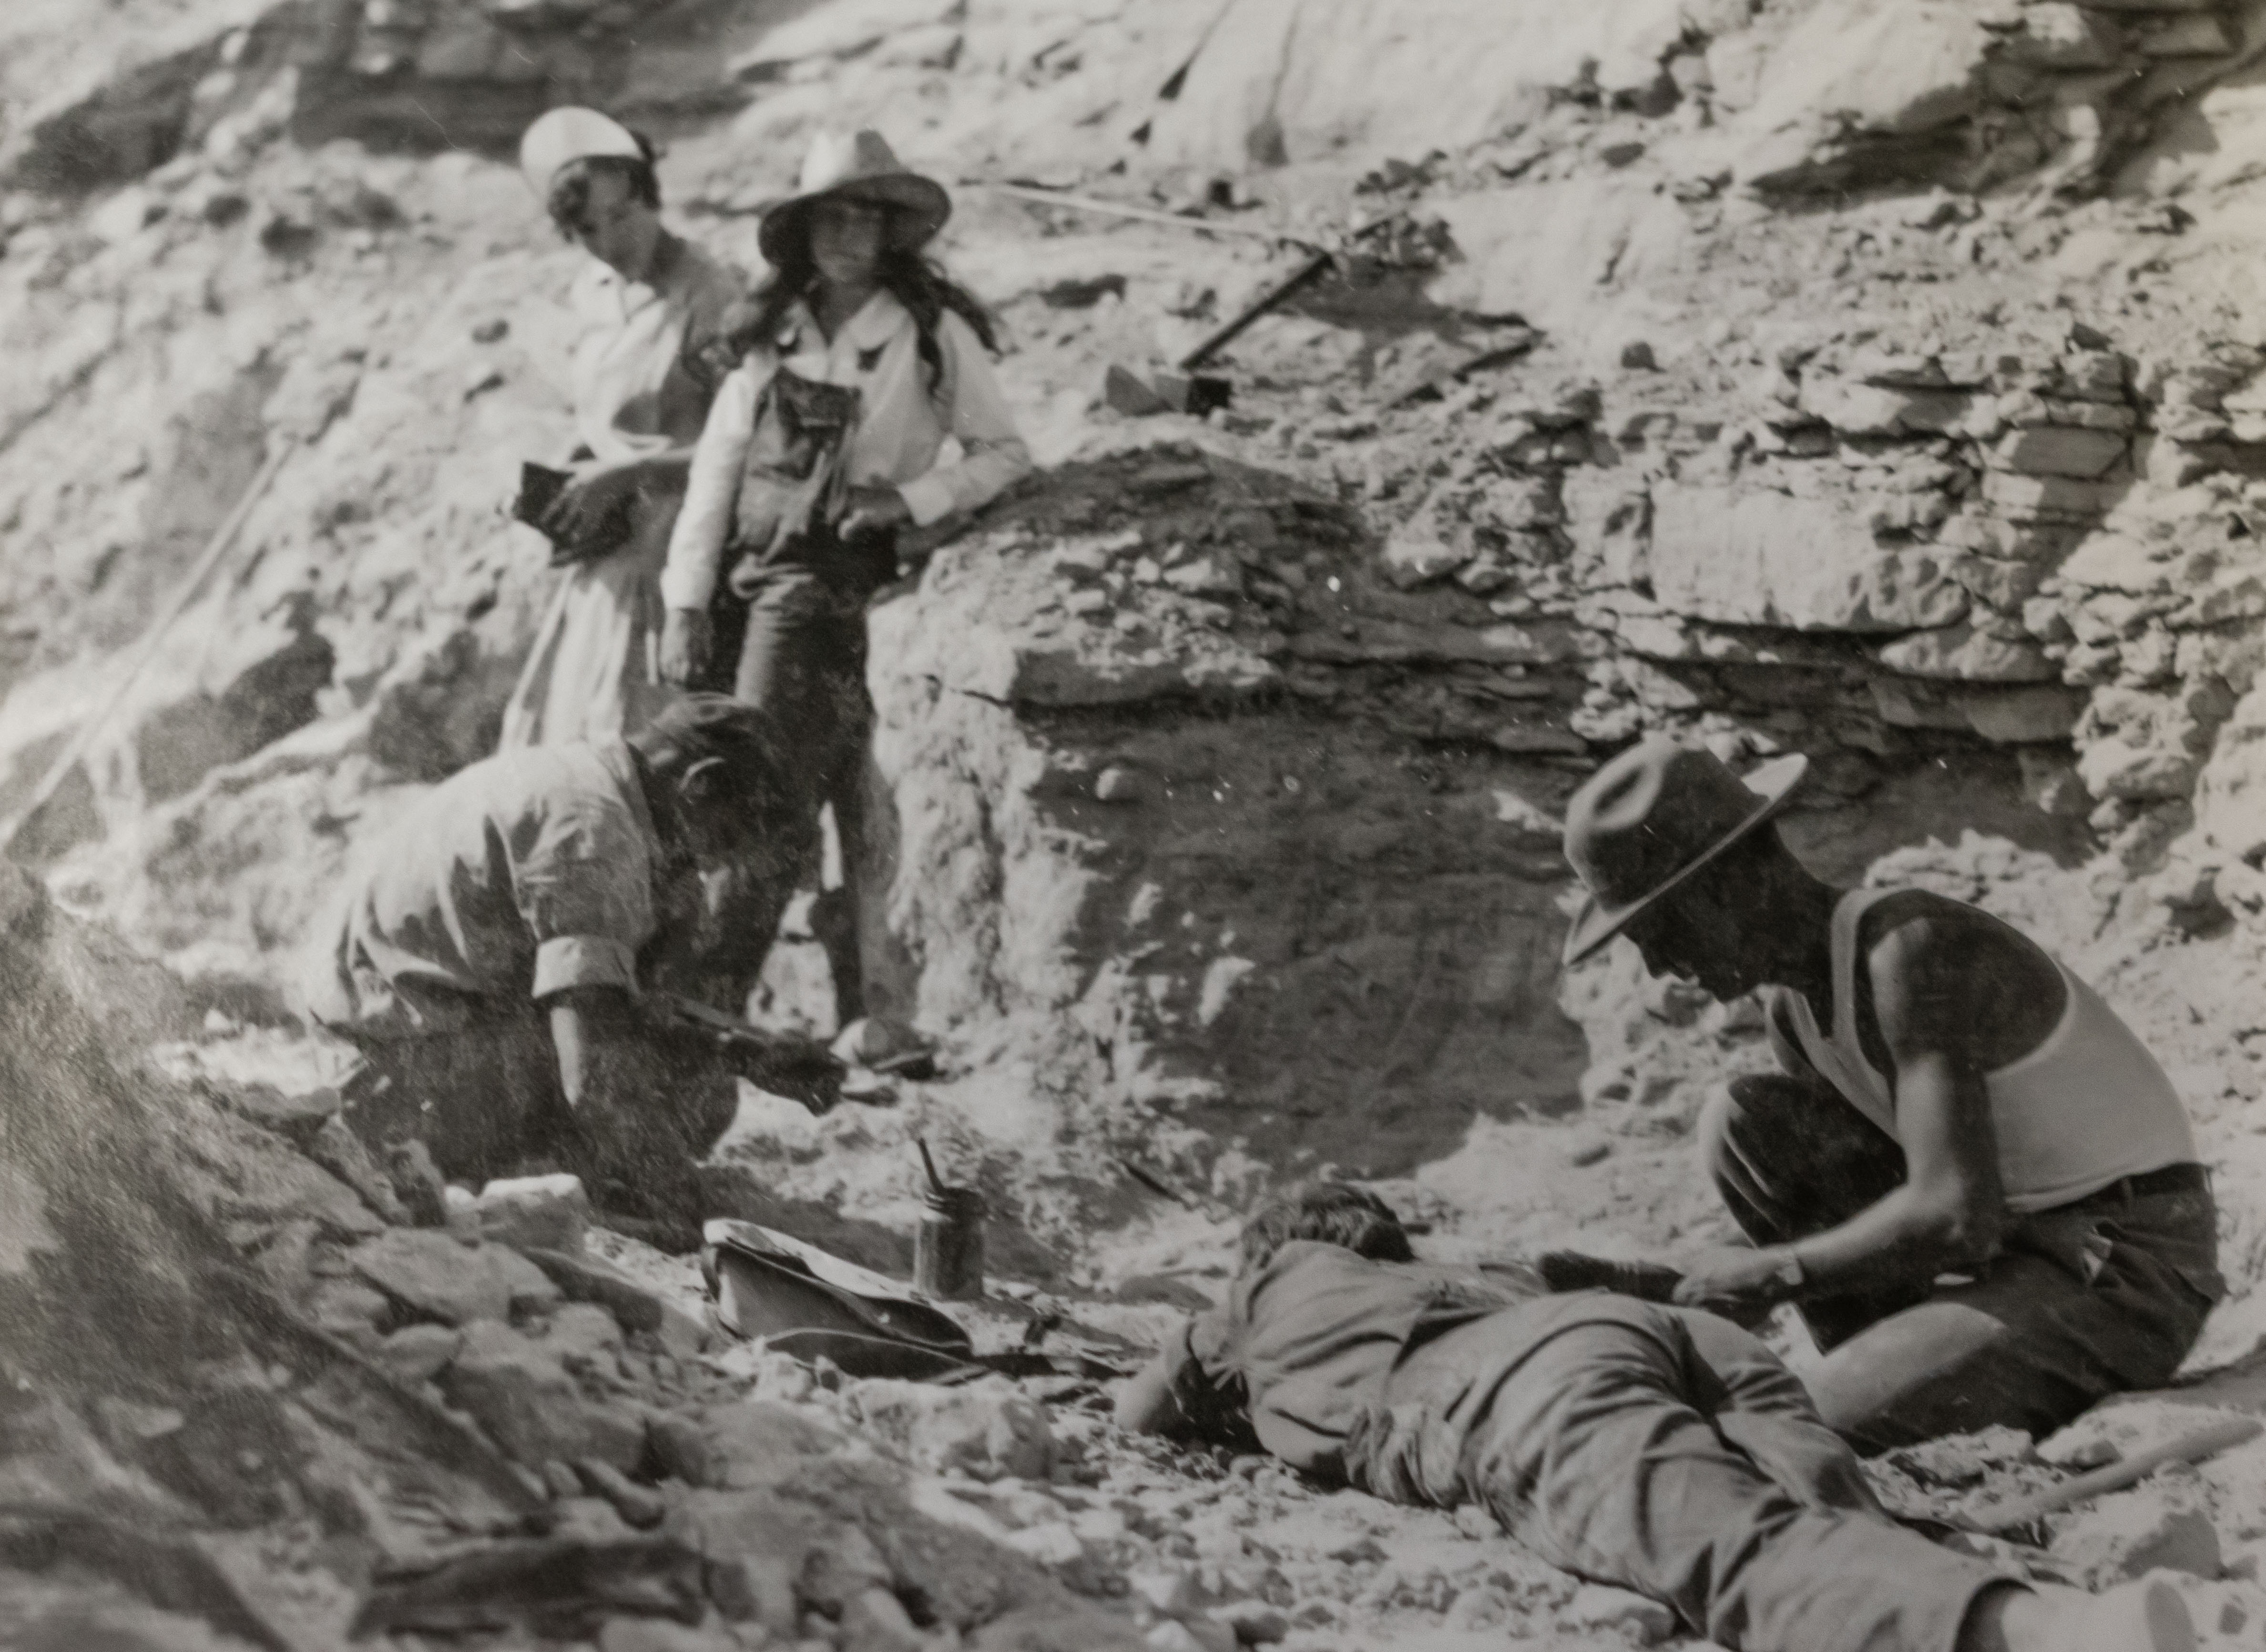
{"x": 852, "y": 305}
{"x": 489, "y": 954}
{"x": 1974, "y": 1179}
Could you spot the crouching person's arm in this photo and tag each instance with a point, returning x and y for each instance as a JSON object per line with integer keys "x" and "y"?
{"x": 1146, "y": 1403}
{"x": 629, "y": 1144}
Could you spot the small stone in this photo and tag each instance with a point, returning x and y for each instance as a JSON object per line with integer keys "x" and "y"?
{"x": 877, "y": 1621}
{"x": 491, "y": 330}
{"x": 438, "y": 1276}
{"x": 562, "y": 1478}
{"x": 986, "y": 1429}
{"x": 1207, "y": 576}
{"x": 518, "y": 1391}
{"x": 1638, "y": 357}
{"x": 738, "y": 1447}
{"x": 464, "y": 1210}
{"x": 1169, "y": 1594}
{"x": 663, "y": 1635}
{"x": 1052, "y": 1543}
{"x": 417, "y": 1183}
{"x": 845, "y": 1565}
{"x": 549, "y": 1212}
{"x": 337, "y": 1149}
{"x": 2060, "y": 451}
{"x": 417, "y": 1353}
{"x": 582, "y": 1331}
{"x": 1253, "y": 1622}
{"x": 1416, "y": 553}
{"x": 482, "y": 379}
{"x": 1173, "y": 1636}
{"x": 641, "y": 1507}
{"x": 1117, "y": 785}
{"x": 1597, "y": 1606}
{"x": 2130, "y": 1535}
{"x": 635, "y": 1308}
{"x": 348, "y": 1308}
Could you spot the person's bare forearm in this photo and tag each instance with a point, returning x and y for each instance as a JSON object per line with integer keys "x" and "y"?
{"x": 1907, "y": 1238}
{"x": 664, "y": 471}
{"x": 600, "y": 1046}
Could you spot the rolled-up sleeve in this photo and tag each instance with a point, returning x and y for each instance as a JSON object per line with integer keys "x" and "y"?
{"x": 993, "y": 453}
{"x": 567, "y": 962}
{"x": 696, "y": 544}
{"x": 585, "y": 891}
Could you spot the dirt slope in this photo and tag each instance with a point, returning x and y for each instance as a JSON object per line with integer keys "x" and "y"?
{"x": 1882, "y": 380}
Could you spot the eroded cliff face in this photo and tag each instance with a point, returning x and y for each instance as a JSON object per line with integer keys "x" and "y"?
{"x": 1881, "y": 381}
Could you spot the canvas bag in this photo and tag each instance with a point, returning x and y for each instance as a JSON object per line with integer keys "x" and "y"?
{"x": 794, "y": 484}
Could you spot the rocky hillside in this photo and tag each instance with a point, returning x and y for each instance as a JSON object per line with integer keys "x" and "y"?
{"x": 1883, "y": 379}
{"x": 1874, "y": 377}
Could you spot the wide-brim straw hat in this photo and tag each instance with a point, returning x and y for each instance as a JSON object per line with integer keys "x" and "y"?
{"x": 1648, "y": 821}
{"x": 570, "y": 135}
{"x": 861, "y": 167}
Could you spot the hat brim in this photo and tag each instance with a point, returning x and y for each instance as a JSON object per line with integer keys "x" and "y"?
{"x": 920, "y": 204}
{"x": 1773, "y": 784}
{"x": 565, "y": 135}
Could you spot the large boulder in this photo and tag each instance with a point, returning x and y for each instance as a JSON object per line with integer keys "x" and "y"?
{"x": 1802, "y": 557}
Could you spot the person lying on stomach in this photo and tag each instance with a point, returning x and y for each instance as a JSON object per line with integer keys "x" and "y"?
{"x": 1973, "y": 1178}
{"x": 1654, "y": 1448}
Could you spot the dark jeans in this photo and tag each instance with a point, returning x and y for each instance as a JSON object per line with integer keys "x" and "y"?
{"x": 486, "y": 1098}
{"x": 797, "y": 648}
{"x": 1667, "y": 1451}
{"x": 2100, "y": 1297}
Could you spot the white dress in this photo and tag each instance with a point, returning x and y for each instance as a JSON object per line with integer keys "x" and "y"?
{"x": 595, "y": 670}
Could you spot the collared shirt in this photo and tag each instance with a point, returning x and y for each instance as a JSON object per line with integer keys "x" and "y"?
{"x": 633, "y": 394}
{"x": 524, "y": 875}
{"x": 902, "y": 428}
{"x": 1299, "y": 1355}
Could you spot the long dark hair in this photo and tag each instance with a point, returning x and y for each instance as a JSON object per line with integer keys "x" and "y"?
{"x": 918, "y": 283}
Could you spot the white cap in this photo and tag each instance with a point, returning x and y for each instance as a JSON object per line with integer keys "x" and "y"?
{"x": 570, "y": 135}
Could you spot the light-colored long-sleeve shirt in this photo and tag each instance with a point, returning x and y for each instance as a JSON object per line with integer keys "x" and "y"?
{"x": 901, "y": 428}
{"x": 520, "y": 877}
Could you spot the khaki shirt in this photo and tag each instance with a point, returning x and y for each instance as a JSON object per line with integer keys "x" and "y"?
{"x": 1299, "y": 1355}
{"x": 519, "y": 877}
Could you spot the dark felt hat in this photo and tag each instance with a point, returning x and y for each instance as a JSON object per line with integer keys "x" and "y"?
{"x": 1651, "y": 818}
{"x": 697, "y": 727}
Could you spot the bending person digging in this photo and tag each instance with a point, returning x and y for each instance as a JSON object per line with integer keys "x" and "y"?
{"x": 1658, "y": 1448}
{"x": 488, "y": 961}
{"x": 1976, "y": 1182}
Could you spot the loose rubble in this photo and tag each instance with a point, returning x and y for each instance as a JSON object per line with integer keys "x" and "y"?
{"x": 1767, "y": 373}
